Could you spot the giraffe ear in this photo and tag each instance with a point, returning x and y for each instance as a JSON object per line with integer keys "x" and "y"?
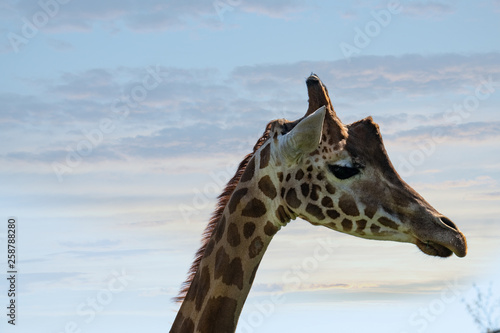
{"x": 304, "y": 137}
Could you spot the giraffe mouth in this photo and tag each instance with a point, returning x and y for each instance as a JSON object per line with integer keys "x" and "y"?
{"x": 442, "y": 241}
{"x": 434, "y": 249}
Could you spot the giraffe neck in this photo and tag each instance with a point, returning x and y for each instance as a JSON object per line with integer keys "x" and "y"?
{"x": 232, "y": 256}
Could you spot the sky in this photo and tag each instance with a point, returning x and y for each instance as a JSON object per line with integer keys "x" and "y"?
{"x": 121, "y": 121}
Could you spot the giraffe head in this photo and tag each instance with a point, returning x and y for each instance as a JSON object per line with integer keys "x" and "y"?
{"x": 340, "y": 176}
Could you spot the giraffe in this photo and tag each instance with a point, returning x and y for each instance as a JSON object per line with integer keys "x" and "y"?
{"x": 316, "y": 168}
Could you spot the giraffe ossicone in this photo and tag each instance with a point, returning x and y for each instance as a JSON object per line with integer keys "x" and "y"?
{"x": 316, "y": 168}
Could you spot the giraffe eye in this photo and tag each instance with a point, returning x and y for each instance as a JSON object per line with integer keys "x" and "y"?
{"x": 343, "y": 172}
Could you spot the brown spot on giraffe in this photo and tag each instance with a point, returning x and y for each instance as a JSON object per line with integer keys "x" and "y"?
{"x": 233, "y": 236}
{"x": 234, "y": 274}
{"x": 315, "y": 211}
{"x": 316, "y": 152}
{"x": 187, "y": 326}
{"x": 347, "y": 225}
{"x": 282, "y": 214}
{"x": 333, "y": 214}
{"x": 315, "y": 190}
{"x": 348, "y": 205}
{"x": 299, "y": 175}
{"x": 370, "y": 211}
{"x": 388, "y": 223}
{"x": 270, "y": 229}
{"x": 255, "y": 247}
{"x": 236, "y": 198}
{"x": 248, "y": 229}
{"x": 267, "y": 187}
{"x": 221, "y": 262}
{"x": 327, "y": 202}
{"x": 230, "y": 271}
{"x": 223, "y": 308}
{"x": 209, "y": 248}
{"x": 203, "y": 287}
{"x": 265, "y": 156}
{"x": 182, "y": 324}
{"x": 254, "y": 208}
{"x": 332, "y": 225}
{"x": 280, "y": 176}
{"x": 330, "y": 188}
{"x": 304, "y": 189}
{"x": 249, "y": 171}
{"x": 375, "y": 229}
{"x": 292, "y": 199}
{"x": 254, "y": 272}
{"x": 219, "y": 230}
{"x": 200, "y": 286}
{"x": 360, "y": 226}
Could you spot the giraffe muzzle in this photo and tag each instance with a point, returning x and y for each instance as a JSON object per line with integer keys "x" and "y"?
{"x": 443, "y": 241}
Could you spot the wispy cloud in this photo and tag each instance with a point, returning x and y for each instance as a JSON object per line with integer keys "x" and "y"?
{"x": 480, "y": 181}
{"x": 426, "y": 9}
{"x": 485, "y": 196}
{"x": 59, "y": 45}
{"x": 372, "y": 77}
{"x": 200, "y": 112}
{"x": 275, "y": 9}
{"x": 103, "y": 243}
{"x": 279, "y": 287}
{"x": 471, "y": 132}
{"x": 141, "y": 16}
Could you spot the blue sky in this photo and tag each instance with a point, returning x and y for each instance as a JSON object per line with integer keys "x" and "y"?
{"x": 122, "y": 121}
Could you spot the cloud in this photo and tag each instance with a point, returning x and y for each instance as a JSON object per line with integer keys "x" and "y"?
{"x": 22, "y": 109}
{"x": 197, "y": 96}
{"x": 470, "y": 132}
{"x": 51, "y": 278}
{"x": 480, "y": 181}
{"x": 149, "y": 224}
{"x": 276, "y": 9}
{"x": 59, "y": 45}
{"x": 485, "y": 196}
{"x": 48, "y": 155}
{"x": 91, "y": 84}
{"x": 200, "y": 112}
{"x": 147, "y": 15}
{"x": 103, "y": 243}
{"x": 321, "y": 286}
{"x": 372, "y": 77}
{"x": 284, "y": 288}
{"x": 116, "y": 254}
{"x": 496, "y": 5}
{"x": 427, "y": 9}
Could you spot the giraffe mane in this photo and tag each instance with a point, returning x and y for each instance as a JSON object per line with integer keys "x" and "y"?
{"x": 222, "y": 201}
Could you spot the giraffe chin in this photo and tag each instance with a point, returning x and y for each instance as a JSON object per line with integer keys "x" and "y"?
{"x": 434, "y": 249}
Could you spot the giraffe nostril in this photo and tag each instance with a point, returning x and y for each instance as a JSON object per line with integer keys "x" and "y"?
{"x": 450, "y": 224}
